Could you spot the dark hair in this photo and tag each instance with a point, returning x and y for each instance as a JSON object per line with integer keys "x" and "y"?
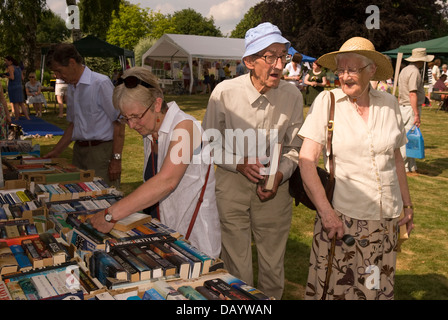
{"x": 61, "y": 53}
{"x": 14, "y": 61}
{"x": 297, "y": 57}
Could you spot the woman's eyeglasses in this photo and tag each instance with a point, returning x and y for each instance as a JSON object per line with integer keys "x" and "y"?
{"x": 352, "y": 72}
{"x": 133, "y": 118}
{"x": 131, "y": 82}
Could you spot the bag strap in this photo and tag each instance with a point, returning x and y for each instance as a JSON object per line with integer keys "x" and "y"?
{"x": 198, "y": 205}
{"x": 330, "y": 186}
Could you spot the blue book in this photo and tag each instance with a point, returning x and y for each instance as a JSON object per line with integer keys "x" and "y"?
{"x": 3, "y": 215}
{"x": 152, "y": 294}
{"x": 22, "y": 259}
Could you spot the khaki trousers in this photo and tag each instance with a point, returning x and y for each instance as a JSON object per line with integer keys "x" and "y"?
{"x": 244, "y": 216}
{"x": 95, "y": 158}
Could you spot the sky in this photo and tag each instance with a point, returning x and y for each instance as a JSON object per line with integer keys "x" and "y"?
{"x": 226, "y": 13}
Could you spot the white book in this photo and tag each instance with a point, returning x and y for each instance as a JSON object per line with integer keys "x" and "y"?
{"x": 43, "y": 286}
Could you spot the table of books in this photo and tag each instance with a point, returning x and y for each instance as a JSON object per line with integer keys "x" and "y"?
{"x": 49, "y": 250}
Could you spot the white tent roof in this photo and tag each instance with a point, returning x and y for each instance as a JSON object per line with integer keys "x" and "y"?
{"x": 185, "y": 47}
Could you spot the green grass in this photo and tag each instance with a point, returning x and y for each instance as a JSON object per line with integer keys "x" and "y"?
{"x": 421, "y": 265}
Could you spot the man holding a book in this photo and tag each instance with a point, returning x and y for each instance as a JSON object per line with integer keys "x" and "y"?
{"x": 258, "y": 104}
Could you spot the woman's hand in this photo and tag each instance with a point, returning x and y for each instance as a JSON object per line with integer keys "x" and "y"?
{"x": 100, "y": 224}
{"x": 407, "y": 220}
{"x": 332, "y": 224}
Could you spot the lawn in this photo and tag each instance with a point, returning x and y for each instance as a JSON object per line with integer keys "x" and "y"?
{"x": 422, "y": 264}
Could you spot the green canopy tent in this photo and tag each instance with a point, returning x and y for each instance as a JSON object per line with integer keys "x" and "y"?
{"x": 91, "y": 46}
{"x": 438, "y": 46}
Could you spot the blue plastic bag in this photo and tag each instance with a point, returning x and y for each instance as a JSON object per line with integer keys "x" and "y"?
{"x": 415, "y": 148}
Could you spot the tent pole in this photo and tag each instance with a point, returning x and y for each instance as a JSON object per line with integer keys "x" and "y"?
{"x": 190, "y": 61}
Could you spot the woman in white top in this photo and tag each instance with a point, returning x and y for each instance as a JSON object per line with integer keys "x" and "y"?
{"x": 293, "y": 70}
{"x": 176, "y": 160}
{"x": 371, "y": 189}
{"x": 34, "y": 93}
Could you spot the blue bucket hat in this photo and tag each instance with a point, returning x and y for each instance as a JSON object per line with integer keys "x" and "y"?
{"x": 261, "y": 37}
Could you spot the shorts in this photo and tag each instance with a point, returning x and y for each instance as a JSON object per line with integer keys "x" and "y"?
{"x": 60, "y": 89}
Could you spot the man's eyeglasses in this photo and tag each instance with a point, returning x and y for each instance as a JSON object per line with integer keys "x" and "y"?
{"x": 352, "y": 72}
{"x": 133, "y": 118}
{"x": 271, "y": 59}
{"x": 131, "y": 82}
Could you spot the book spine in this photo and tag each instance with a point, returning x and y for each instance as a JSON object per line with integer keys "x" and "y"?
{"x": 145, "y": 272}
{"x": 167, "y": 267}
{"x": 167, "y": 291}
{"x": 210, "y": 294}
{"x": 57, "y": 280}
{"x": 16, "y": 290}
{"x": 133, "y": 274}
{"x": 152, "y": 294}
{"x": 32, "y": 253}
{"x": 156, "y": 269}
{"x": 225, "y": 289}
{"x": 29, "y": 289}
{"x": 23, "y": 197}
{"x": 22, "y": 259}
{"x": 41, "y": 249}
{"x": 43, "y": 287}
{"x": 190, "y": 293}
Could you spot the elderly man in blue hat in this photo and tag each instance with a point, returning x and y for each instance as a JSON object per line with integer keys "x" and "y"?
{"x": 245, "y": 118}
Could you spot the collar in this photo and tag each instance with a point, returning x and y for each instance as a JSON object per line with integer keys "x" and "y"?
{"x": 86, "y": 77}
{"x": 252, "y": 94}
{"x": 173, "y": 109}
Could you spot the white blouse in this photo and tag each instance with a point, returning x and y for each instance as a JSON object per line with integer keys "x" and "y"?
{"x": 367, "y": 185}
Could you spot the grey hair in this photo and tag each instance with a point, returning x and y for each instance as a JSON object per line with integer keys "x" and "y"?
{"x": 139, "y": 94}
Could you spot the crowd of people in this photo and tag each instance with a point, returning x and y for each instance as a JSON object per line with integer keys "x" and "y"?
{"x": 199, "y": 181}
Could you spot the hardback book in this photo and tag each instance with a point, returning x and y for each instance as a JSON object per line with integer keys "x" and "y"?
{"x": 225, "y": 289}
{"x": 132, "y": 221}
{"x": 182, "y": 265}
{"x": 251, "y": 292}
{"x": 195, "y": 263}
{"x": 190, "y": 293}
{"x": 143, "y": 269}
{"x": 4, "y": 292}
{"x": 206, "y": 260}
{"x": 8, "y": 262}
{"x": 167, "y": 291}
{"x": 162, "y": 228}
{"x": 133, "y": 274}
{"x": 104, "y": 266}
{"x": 168, "y": 268}
{"x": 274, "y": 160}
{"x": 150, "y": 261}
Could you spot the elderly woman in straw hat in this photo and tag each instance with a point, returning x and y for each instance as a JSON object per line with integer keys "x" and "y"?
{"x": 178, "y": 165}
{"x": 371, "y": 189}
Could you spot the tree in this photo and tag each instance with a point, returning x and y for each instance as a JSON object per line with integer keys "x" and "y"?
{"x": 320, "y": 26}
{"x": 52, "y": 28}
{"x": 18, "y": 24}
{"x": 251, "y": 19}
{"x": 188, "y": 21}
{"x": 95, "y": 16}
{"x": 128, "y": 25}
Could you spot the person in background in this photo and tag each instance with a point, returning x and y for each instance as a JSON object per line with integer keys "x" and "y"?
{"x": 172, "y": 182}
{"x": 411, "y": 96}
{"x": 34, "y": 93}
{"x": 316, "y": 80}
{"x": 441, "y": 86}
{"x": 240, "y": 69}
{"x": 293, "y": 71}
{"x": 60, "y": 91}
{"x": 93, "y": 121}
{"x": 371, "y": 190}
{"x": 186, "y": 76}
{"x": 15, "y": 88}
{"x": 263, "y": 104}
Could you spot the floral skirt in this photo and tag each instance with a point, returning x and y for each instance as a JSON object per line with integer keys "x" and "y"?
{"x": 363, "y": 271}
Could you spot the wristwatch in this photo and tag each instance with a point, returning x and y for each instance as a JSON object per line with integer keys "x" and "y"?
{"x": 108, "y": 217}
{"x": 117, "y": 156}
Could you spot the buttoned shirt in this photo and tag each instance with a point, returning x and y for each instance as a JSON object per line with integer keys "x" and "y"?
{"x": 409, "y": 80}
{"x": 367, "y": 185}
{"x": 237, "y": 109}
{"x": 90, "y": 107}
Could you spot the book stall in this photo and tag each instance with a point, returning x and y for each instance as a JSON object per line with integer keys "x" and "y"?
{"x": 49, "y": 250}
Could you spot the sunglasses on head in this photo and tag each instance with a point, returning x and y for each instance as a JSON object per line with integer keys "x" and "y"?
{"x": 132, "y": 81}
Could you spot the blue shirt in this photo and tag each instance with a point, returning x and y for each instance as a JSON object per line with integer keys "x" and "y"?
{"x": 90, "y": 107}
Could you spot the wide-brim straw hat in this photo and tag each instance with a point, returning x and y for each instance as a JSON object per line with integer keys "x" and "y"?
{"x": 419, "y": 54}
{"x": 362, "y": 46}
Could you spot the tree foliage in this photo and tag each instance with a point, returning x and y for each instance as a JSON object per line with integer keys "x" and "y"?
{"x": 52, "y": 28}
{"x": 18, "y": 25}
{"x": 320, "y": 26}
{"x": 188, "y": 21}
{"x": 95, "y": 16}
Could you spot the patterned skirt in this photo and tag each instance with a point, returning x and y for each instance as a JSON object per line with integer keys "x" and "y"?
{"x": 363, "y": 271}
